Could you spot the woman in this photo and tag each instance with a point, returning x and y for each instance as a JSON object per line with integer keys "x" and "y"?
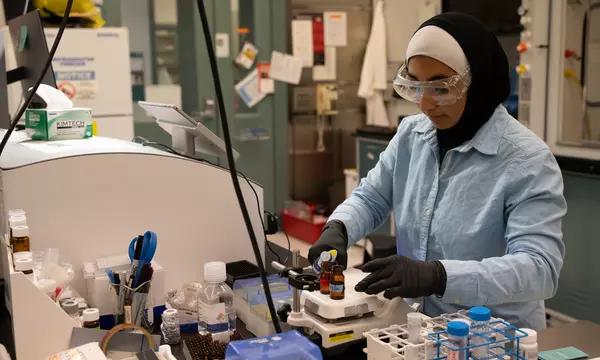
{"x": 476, "y": 197}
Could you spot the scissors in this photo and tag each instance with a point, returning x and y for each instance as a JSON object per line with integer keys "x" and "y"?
{"x": 141, "y": 251}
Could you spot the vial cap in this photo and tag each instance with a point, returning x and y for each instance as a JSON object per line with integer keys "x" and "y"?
{"x": 215, "y": 271}
{"x": 16, "y": 220}
{"x": 414, "y": 317}
{"x": 16, "y": 212}
{"x": 458, "y": 328}
{"x": 70, "y": 306}
{"x": 531, "y": 337}
{"x": 91, "y": 314}
{"x": 23, "y": 264}
{"x": 480, "y": 313}
{"x": 170, "y": 312}
{"x": 20, "y": 231}
{"x": 23, "y": 254}
{"x": 325, "y": 256}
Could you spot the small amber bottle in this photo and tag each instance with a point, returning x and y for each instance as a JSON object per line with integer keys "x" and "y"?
{"x": 336, "y": 283}
{"x": 20, "y": 238}
{"x": 325, "y": 277}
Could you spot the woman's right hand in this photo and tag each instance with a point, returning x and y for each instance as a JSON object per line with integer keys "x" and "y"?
{"x": 333, "y": 237}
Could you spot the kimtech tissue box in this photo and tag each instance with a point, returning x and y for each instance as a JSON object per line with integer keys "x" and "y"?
{"x": 46, "y": 124}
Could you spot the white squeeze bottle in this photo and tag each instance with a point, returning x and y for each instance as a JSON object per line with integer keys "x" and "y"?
{"x": 216, "y": 315}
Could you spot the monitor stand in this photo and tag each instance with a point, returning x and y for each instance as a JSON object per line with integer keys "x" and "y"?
{"x": 184, "y": 140}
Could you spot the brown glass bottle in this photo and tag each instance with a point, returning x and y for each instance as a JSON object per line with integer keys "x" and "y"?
{"x": 336, "y": 283}
{"x": 325, "y": 277}
{"x": 20, "y": 238}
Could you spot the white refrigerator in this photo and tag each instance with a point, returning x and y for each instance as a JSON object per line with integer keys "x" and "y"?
{"x": 92, "y": 66}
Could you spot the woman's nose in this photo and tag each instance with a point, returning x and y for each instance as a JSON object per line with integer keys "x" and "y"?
{"x": 427, "y": 103}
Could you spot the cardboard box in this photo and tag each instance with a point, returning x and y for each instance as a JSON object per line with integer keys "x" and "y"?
{"x": 44, "y": 124}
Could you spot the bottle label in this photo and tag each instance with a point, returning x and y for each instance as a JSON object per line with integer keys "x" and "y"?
{"x": 214, "y": 316}
{"x": 128, "y": 317}
{"x": 336, "y": 288}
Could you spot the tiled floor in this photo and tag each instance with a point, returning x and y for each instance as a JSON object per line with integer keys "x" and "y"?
{"x": 355, "y": 253}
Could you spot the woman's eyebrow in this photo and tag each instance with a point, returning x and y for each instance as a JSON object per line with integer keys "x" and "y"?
{"x": 431, "y": 78}
{"x": 437, "y": 77}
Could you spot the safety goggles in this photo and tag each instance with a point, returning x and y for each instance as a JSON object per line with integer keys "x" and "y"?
{"x": 443, "y": 91}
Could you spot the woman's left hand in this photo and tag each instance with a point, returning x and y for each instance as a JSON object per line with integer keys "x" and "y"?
{"x": 402, "y": 276}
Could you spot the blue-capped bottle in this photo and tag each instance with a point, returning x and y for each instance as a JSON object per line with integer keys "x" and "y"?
{"x": 216, "y": 314}
{"x": 458, "y": 338}
{"x": 480, "y": 323}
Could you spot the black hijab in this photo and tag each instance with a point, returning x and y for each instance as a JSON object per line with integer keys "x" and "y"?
{"x": 490, "y": 82}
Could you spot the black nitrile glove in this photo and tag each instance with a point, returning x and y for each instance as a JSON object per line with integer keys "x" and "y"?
{"x": 402, "y": 276}
{"x": 333, "y": 237}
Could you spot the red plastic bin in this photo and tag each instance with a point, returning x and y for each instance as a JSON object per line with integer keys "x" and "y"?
{"x": 300, "y": 228}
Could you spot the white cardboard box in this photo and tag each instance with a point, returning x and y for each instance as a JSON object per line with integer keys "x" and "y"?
{"x": 93, "y": 65}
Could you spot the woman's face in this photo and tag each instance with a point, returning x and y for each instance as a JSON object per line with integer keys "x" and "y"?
{"x": 424, "y": 68}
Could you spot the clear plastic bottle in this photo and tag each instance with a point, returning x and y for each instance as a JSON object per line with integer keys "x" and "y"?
{"x": 480, "y": 321}
{"x": 216, "y": 313}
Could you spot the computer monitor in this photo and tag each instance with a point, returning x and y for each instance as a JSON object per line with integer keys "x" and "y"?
{"x": 28, "y": 44}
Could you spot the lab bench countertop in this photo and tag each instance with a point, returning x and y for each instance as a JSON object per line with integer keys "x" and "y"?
{"x": 583, "y": 334}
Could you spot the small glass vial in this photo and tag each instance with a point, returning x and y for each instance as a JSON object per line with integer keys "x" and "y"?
{"x": 216, "y": 314}
{"x": 170, "y": 327}
{"x": 20, "y": 238}
{"x": 480, "y": 321}
{"x": 71, "y": 307}
{"x": 325, "y": 277}
{"x": 458, "y": 338}
{"x": 91, "y": 318}
{"x": 414, "y": 320}
{"x": 336, "y": 283}
{"x": 528, "y": 346}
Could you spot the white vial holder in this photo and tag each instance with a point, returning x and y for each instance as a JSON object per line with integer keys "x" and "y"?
{"x": 392, "y": 343}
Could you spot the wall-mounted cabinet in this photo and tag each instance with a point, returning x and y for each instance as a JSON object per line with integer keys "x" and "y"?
{"x": 573, "y": 107}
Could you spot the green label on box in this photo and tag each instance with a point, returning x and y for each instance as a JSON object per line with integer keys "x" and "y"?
{"x": 43, "y": 124}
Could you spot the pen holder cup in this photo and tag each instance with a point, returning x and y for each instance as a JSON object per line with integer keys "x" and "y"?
{"x": 131, "y": 304}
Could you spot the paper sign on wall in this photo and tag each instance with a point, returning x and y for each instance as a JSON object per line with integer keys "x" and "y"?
{"x": 336, "y": 29}
{"x": 285, "y": 68}
{"x": 222, "y": 45}
{"x": 246, "y": 57}
{"x": 327, "y": 71}
{"x": 318, "y": 40}
{"x": 265, "y": 84}
{"x": 302, "y": 41}
{"x": 247, "y": 89}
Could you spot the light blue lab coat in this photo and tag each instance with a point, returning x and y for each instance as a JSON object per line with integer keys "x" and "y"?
{"x": 491, "y": 213}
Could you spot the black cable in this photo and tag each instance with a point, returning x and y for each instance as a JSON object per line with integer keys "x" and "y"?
{"x": 22, "y": 109}
{"x": 289, "y": 244}
{"x": 231, "y": 162}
